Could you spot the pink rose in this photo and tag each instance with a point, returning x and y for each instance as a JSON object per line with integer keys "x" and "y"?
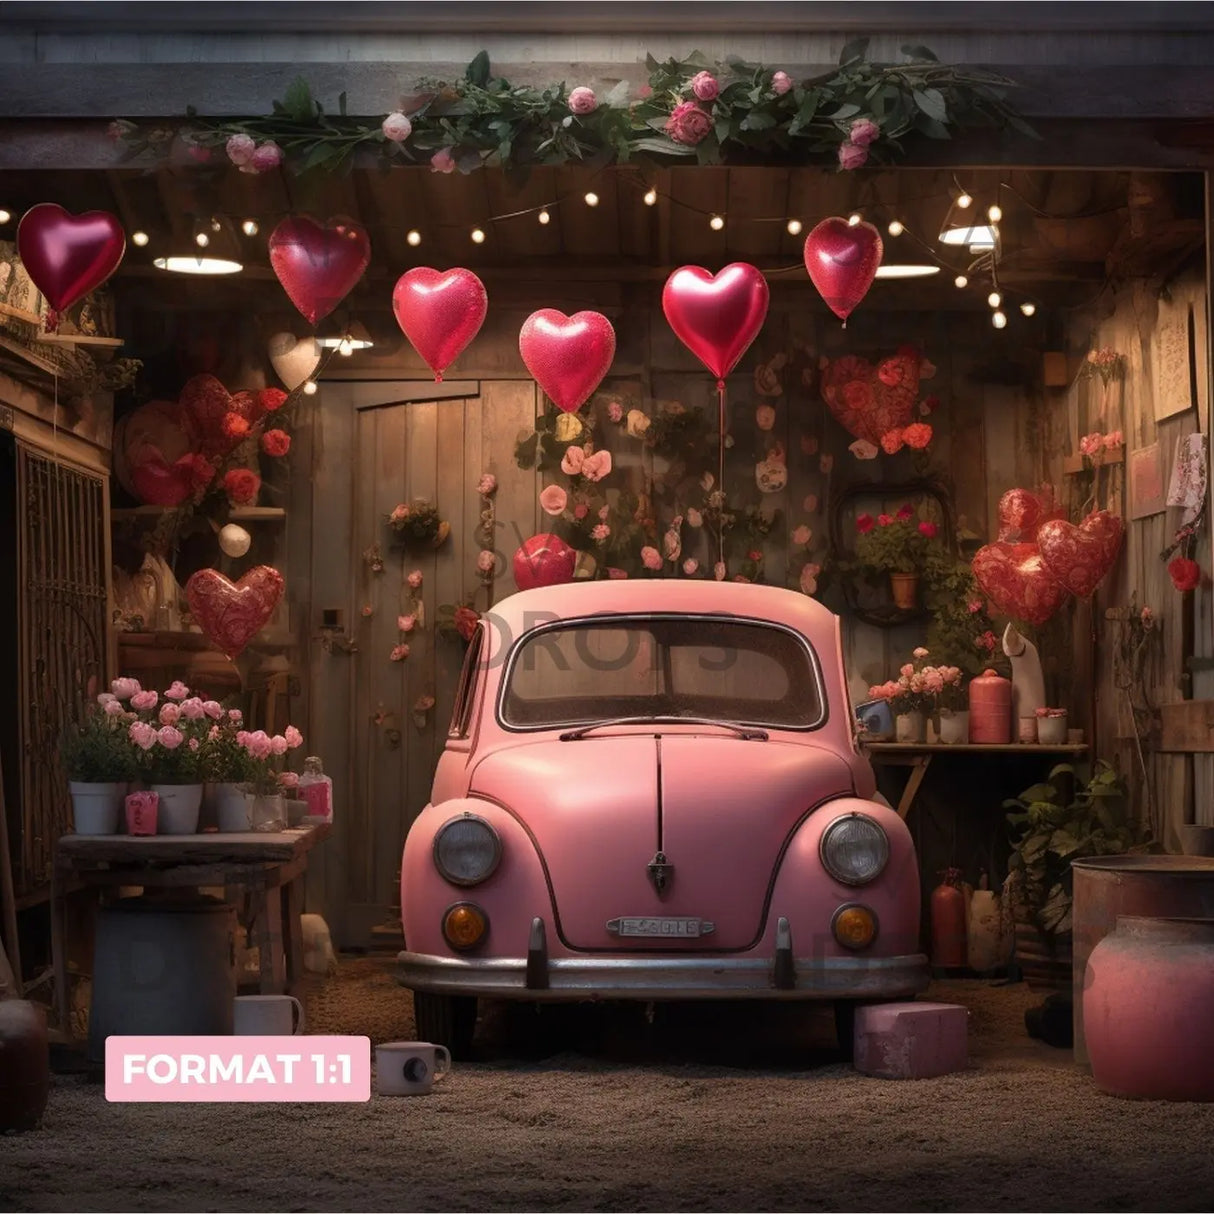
{"x": 258, "y": 744}
{"x": 289, "y": 780}
{"x": 615, "y": 411}
{"x": 213, "y": 733}
{"x": 553, "y": 500}
{"x": 583, "y": 101}
{"x": 928, "y": 529}
{"x": 234, "y": 714}
{"x": 399, "y": 653}
{"x": 396, "y": 127}
{"x": 240, "y": 149}
{"x": 600, "y": 533}
{"x": 651, "y": 558}
{"x": 580, "y": 511}
{"x": 267, "y": 157}
{"x": 142, "y": 701}
{"x": 107, "y": 697}
{"x": 781, "y": 82}
{"x": 278, "y": 745}
{"x": 169, "y": 714}
{"x": 851, "y": 156}
{"x": 597, "y": 466}
{"x": 486, "y": 559}
{"x": 113, "y": 709}
{"x": 194, "y": 744}
{"x": 907, "y": 671}
{"x": 415, "y": 579}
{"x": 863, "y": 132}
{"x": 974, "y": 606}
{"x": 705, "y": 86}
{"x": 293, "y": 736}
{"x": 442, "y": 161}
{"x": 178, "y": 691}
{"x": 1091, "y": 443}
{"x": 192, "y": 709}
{"x": 572, "y": 461}
{"x": 170, "y": 738}
{"x": 487, "y": 485}
{"x": 802, "y": 535}
{"x": 213, "y": 709}
{"x": 688, "y": 124}
{"x": 406, "y": 623}
{"x": 143, "y": 735}
{"x": 694, "y": 517}
{"x": 690, "y": 566}
{"x": 1113, "y": 439}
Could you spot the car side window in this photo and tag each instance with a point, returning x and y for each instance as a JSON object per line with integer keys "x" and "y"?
{"x": 461, "y": 716}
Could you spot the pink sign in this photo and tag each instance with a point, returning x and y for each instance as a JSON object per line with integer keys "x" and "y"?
{"x": 159, "y": 1069}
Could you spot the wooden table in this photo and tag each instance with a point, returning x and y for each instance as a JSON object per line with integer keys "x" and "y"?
{"x": 918, "y": 757}
{"x": 267, "y": 866}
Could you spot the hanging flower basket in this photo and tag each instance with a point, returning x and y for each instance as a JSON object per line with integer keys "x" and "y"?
{"x": 417, "y": 525}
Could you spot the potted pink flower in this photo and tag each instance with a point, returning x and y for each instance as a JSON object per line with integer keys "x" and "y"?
{"x": 267, "y": 760}
{"x": 909, "y": 698}
{"x": 168, "y": 731}
{"x": 1051, "y": 726}
{"x": 950, "y": 701}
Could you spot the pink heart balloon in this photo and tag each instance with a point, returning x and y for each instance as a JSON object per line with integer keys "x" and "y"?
{"x": 318, "y": 265}
{"x": 67, "y": 256}
{"x": 231, "y": 614}
{"x": 439, "y": 313}
{"x": 842, "y": 260}
{"x": 567, "y": 355}
{"x": 1081, "y": 557}
{"x": 1017, "y": 582}
{"x": 543, "y": 560}
{"x": 716, "y": 316}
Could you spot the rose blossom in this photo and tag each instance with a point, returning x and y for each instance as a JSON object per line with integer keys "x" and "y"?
{"x": 276, "y": 442}
{"x": 781, "y": 82}
{"x": 802, "y": 535}
{"x": 1090, "y": 443}
{"x": 809, "y": 577}
{"x": 213, "y": 709}
{"x": 917, "y": 435}
{"x": 864, "y": 523}
{"x": 1113, "y": 439}
{"x": 651, "y": 558}
{"x": 486, "y": 560}
{"x": 694, "y": 517}
{"x": 637, "y": 423}
{"x": 278, "y": 745}
{"x": 293, "y": 736}
{"x": 705, "y": 86}
{"x": 123, "y": 689}
{"x": 442, "y": 161}
{"x": 400, "y": 512}
{"x": 192, "y": 709}
{"x": 178, "y": 691}
{"x": 553, "y": 500}
{"x": 368, "y": 610}
{"x": 415, "y": 579}
{"x": 143, "y": 735}
{"x": 234, "y": 714}
{"x": 884, "y": 519}
{"x": 169, "y": 714}
{"x": 597, "y": 466}
{"x": 1185, "y": 573}
{"x": 572, "y": 461}
{"x": 141, "y": 701}
{"x": 240, "y": 149}
{"x": 170, "y": 738}
{"x": 583, "y": 101}
{"x": 891, "y": 442}
{"x": 580, "y": 511}
{"x": 107, "y": 697}
{"x": 928, "y": 529}
{"x": 234, "y": 426}
{"x": 396, "y": 127}
{"x": 904, "y": 511}
{"x": 289, "y": 780}
{"x": 266, "y": 158}
{"x": 688, "y": 124}
{"x": 466, "y": 621}
{"x": 406, "y": 623}
{"x": 615, "y": 411}
{"x": 241, "y": 485}
{"x": 690, "y": 566}
{"x": 919, "y": 652}
{"x": 113, "y": 709}
{"x": 851, "y": 155}
{"x": 863, "y": 132}
{"x": 974, "y": 606}
{"x": 487, "y": 485}
{"x": 604, "y": 513}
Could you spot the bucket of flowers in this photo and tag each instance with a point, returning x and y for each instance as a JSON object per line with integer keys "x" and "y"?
{"x": 951, "y": 702}
{"x": 896, "y": 544}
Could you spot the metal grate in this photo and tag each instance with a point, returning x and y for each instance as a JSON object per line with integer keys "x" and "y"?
{"x": 62, "y": 560}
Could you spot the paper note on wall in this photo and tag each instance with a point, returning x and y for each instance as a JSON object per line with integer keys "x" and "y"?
{"x": 1172, "y": 359}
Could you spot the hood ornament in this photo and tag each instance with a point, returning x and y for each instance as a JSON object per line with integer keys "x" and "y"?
{"x": 661, "y": 872}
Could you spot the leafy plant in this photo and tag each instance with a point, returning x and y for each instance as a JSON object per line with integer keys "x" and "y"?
{"x": 897, "y": 543}
{"x": 1050, "y": 832}
{"x": 961, "y": 631}
{"x": 417, "y": 524}
{"x": 99, "y": 749}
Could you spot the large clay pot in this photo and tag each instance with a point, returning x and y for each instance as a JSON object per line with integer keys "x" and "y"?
{"x": 1146, "y": 1009}
{"x": 25, "y": 1067}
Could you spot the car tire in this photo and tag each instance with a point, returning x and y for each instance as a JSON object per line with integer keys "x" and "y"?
{"x": 448, "y": 1020}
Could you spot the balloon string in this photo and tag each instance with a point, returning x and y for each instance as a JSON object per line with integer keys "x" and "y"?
{"x": 438, "y": 377}
{"x": 721, "y": 469}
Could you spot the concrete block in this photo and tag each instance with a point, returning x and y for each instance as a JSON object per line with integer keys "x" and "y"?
{"x": 911, "y": 1040}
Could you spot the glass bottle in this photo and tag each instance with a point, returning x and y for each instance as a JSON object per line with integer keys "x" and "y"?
{"x": 316, "y": 789}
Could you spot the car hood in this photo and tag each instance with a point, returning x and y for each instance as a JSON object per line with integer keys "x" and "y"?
{"x": 719, "y": 808}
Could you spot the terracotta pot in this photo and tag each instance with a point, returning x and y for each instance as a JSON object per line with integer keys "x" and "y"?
{"x": 1146, "y": 1009}
{"x": 1045, "y": 961}
{"x": 910, "y": 727}
{"x": 25, "y": 1069}
{"x": 905, "y": 589}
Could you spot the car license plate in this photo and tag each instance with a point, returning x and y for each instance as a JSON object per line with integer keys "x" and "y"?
{"x": 668, "y": 928}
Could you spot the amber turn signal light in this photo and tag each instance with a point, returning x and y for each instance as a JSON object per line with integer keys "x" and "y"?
{"x": 854, "y": 926}
{"x": 465, "y": 925}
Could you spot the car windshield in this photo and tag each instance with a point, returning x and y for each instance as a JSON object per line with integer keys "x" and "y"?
{"x": 720, "y": 669}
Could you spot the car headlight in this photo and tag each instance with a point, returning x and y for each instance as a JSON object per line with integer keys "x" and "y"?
{"x": 467, "y": 850}
{"x": 854, "y": 849}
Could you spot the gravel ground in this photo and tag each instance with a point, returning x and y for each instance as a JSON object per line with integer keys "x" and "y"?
{"x": 708, "y": 1108}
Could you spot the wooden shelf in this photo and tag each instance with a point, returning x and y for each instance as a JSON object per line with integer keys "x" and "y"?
{"x": 193, "y": 642}
{"x": 1110, "y": 457}
{"x": 78, "y": 339}
{"x": 239, "y": 514}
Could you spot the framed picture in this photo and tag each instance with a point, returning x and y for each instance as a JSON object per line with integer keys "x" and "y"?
{"x": 1148, "y": 493}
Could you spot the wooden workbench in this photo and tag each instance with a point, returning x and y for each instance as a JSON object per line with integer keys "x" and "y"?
{"x": 268, "y": 867}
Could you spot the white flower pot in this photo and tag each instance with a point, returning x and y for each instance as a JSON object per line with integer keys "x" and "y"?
{"x": 96, "y": 808}
{"x": 231, "y": 804}
{"x": 1051, "y": 731}
{"x": 911, "y": 727}
{"x": 179, "y": 806}
{"x": 268, "y": 813}
{"x": 954, "y": 726}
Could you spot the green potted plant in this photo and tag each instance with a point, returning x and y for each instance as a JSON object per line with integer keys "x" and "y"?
{"x": 1055, "y": 823}
{"x": 898, "y": 544}
{"x": 98, "y": 758}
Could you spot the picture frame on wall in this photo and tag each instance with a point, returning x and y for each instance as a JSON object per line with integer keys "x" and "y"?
{"x": 1147, "y": 489}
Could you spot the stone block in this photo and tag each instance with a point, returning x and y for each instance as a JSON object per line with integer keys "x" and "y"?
{"x": 911, "y": 1040}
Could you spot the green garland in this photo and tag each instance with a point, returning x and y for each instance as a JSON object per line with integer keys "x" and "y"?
{"x": 692, "y": 108}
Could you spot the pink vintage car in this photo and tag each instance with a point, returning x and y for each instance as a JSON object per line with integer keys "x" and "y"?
{"x": 651, "y": 790}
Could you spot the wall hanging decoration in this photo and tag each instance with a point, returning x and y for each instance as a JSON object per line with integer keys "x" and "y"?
{"x": 229, "y": 613}
{"x": 842, "y": 260}
{"x": 294, "y": 359}
{"x": 567, "y": 355}
{"x": 318, "y": 265}
{"x": 1015, "y": 579}
{"x": 440, "y": 313}
{"x": 876, "y": 402}
{"x": 1080, "y": 557}
{"x": 543, "y": 560}
{"x": 66, "y": 255}
{"x": 418, "y": 525}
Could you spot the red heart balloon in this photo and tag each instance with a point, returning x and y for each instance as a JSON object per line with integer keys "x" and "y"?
{"x": 1080, "y": 557}
{"x": 318, "y": 265}
{"x": 158, "y": 483}
{"x": 439, "y": 313}
{"x": 567, "y": 355}
{"x": 1021, "y": 513}
{"x": 67, "y": 256}
{"x": 543, "y": 560}
{"x": 716, "y": 316}
{"x": 869, "y": 401}
{"x": 231, "y": 614}
{"x": 842, "y": 260}
{"x": 1016, "y": 580}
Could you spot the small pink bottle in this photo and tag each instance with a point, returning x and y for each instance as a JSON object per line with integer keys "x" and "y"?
{"x": 317, "y": 790}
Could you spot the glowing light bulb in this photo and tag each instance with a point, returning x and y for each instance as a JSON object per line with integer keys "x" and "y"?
{"x": 854, "y": 219}
{"x": 478, "y": 237}
{"x": 346, "y": 348}
{"x": 896, "y": 228}
{"x": 5, "y": 216}
{"x": 994, "y": 213}
{"x": 138, "y": 238}
{"x": 964, "y": 200}
{"x": 999, "y": 320}
{"x": 716, "y": 223}
{"x": 1028, "y": 308}
{"x": 309, "y": 388}
{"x": 592, "y": 199}
{"x": 794, "y": 227}
{"x": 216, "y": 226}
{"x": 651, "y": 196}
{"x": 250, "y": 227}
{"x": 544, "y": 216}
{"x": 413, "y": 237}
{"x": 201, "y": 239}
{"x": 960, "y": 281}
{"x": 994, "y": 299}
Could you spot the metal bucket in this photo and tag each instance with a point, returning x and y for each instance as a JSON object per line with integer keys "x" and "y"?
{"x": 1174, "y": 887}
{"x": 162, "y": 968}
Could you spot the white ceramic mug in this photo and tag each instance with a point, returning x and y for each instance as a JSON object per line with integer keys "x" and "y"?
{"x": 409, "y": 1068}
{"x": 267, "y": 1016}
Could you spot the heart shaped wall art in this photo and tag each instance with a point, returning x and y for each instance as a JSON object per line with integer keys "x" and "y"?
{"x": 870, "y": 400}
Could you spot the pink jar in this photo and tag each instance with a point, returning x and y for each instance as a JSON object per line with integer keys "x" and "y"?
{"x": 991, "y": 709}
{"x": 1149, "y": 988}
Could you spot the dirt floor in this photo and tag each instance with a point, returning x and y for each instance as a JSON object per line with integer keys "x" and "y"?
{"x": 709, "y": 1108}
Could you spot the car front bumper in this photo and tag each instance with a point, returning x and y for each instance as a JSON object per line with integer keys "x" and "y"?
{"x": 679, "y": 977}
